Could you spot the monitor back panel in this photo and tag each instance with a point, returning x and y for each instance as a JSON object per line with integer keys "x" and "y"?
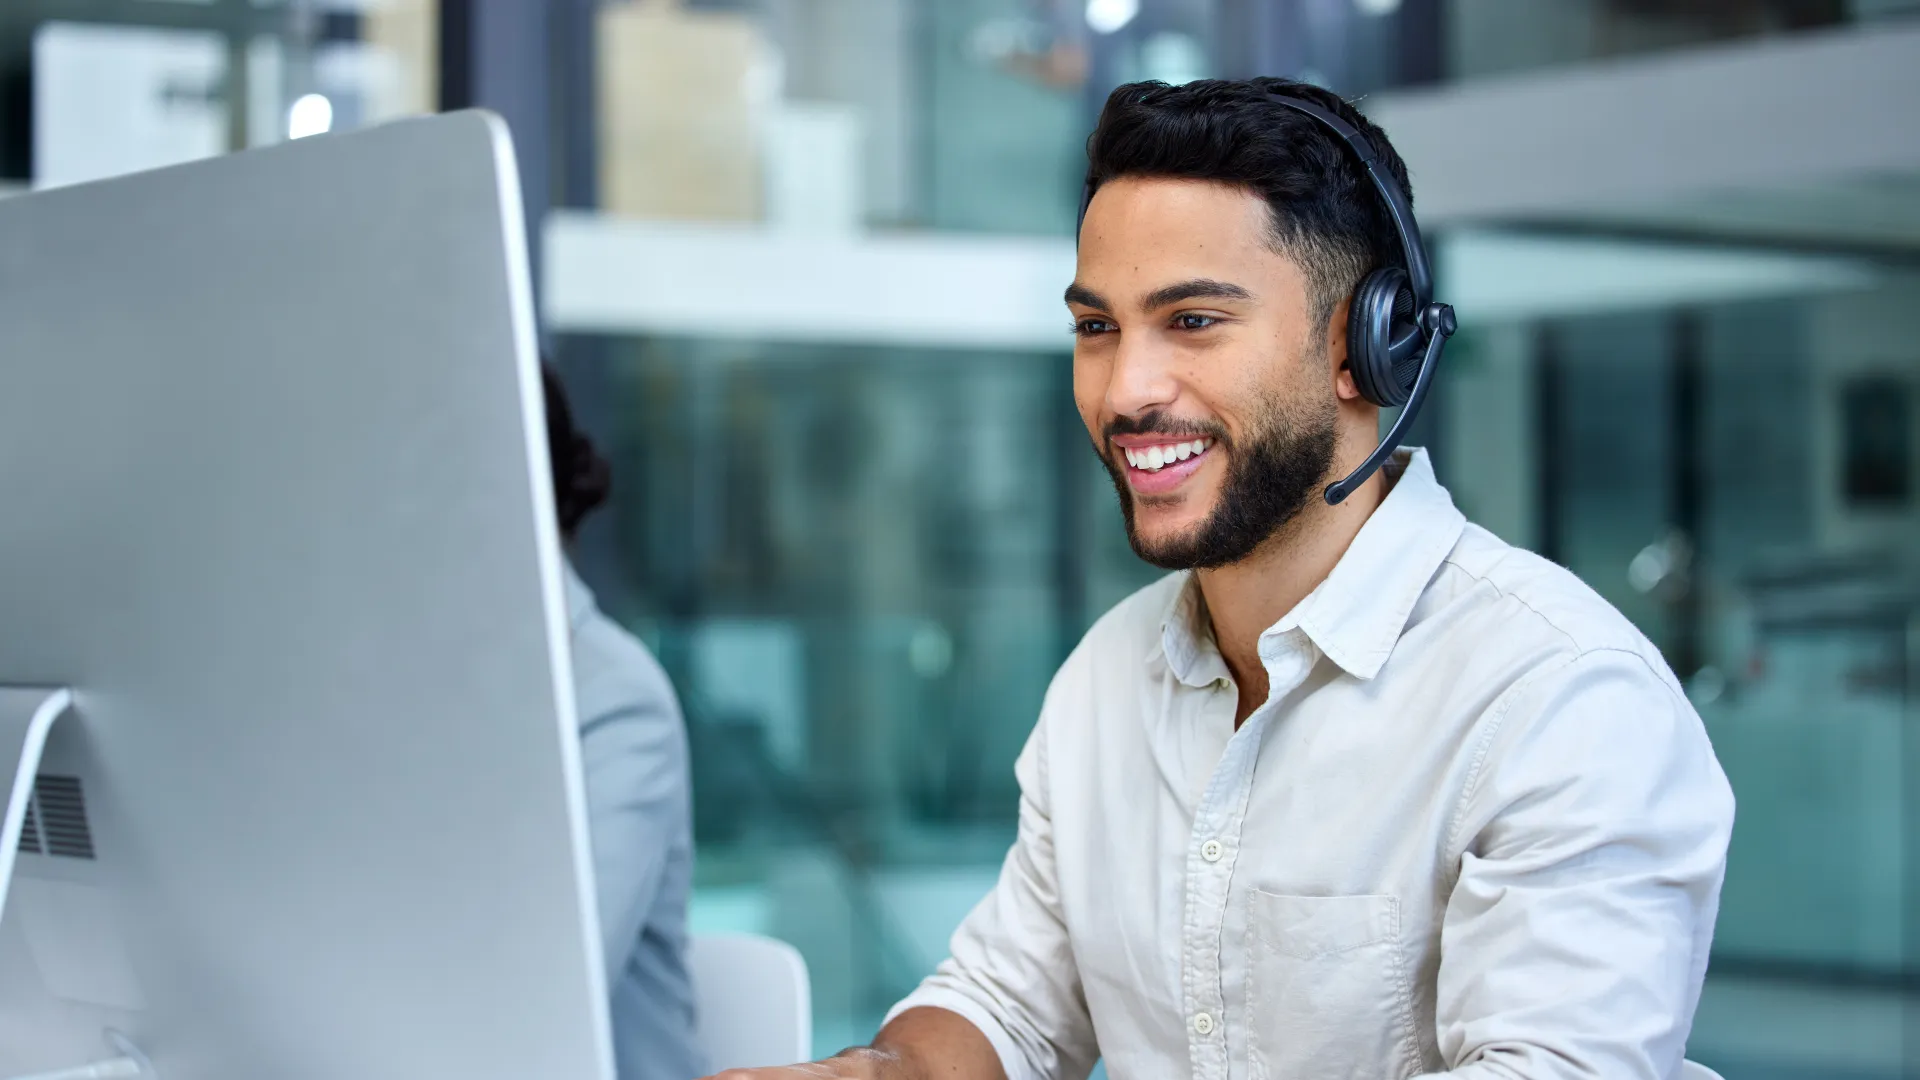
{"x": 274, "y": 501}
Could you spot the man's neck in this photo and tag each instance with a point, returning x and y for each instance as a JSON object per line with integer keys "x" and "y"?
{"x": 1247, "y": 597}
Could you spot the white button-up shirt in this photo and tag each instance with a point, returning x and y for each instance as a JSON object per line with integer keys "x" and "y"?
{"x": 1475, "y": 830}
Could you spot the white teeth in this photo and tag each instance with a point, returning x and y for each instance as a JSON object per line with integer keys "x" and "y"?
{"x": 1155, "y": 458}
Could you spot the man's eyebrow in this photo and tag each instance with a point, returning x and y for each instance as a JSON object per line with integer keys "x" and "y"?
{"x": 1085, "y": 297}
{"x": 1194, "y": 289}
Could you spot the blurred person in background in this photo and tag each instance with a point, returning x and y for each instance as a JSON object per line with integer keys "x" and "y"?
{"x": 633, "y": 755}
{"x": 1359, "y": 790}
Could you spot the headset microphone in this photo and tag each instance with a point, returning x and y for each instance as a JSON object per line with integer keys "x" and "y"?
{"x": 1395, "y": 330}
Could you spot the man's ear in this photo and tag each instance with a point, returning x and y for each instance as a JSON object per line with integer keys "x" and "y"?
{"x": 1343, "y": 385}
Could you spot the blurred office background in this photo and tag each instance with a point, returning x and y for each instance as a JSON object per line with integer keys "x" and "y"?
{"x": 800, "y": 263}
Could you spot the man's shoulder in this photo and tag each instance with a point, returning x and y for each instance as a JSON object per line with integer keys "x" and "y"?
{"x": 1522, "y": 590}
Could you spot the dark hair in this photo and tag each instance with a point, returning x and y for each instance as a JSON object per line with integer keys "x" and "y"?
{"x": 1327, "y": 216}
{"x": 582, "y": 478}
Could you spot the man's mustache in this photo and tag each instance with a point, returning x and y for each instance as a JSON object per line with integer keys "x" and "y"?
{"x": 1155, "y": 423}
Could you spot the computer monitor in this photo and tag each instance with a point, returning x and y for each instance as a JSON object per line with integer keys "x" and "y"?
{"x": 275, "y": 506}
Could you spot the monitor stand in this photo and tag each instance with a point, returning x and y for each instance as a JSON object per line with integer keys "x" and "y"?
{"x": 27, "y": 714}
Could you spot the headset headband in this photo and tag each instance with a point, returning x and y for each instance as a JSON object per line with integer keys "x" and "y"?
{"x": 1419, "y": 275}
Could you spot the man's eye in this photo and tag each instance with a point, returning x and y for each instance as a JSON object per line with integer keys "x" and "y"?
{"x": 1090, "y": 327}
{"x": 1191, "y": 321}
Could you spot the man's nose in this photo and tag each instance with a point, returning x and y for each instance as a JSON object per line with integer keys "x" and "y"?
{"x": 1143, "y": 377}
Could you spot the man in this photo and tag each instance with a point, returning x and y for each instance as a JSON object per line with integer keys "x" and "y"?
{"x": 633, "y": 753}
{"x": 1360, "y": 791}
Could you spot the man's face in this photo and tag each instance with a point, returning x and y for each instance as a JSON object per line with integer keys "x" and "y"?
{"x": 1202, "y": 377}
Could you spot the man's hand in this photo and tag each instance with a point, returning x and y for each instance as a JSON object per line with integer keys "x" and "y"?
{"x": 903, "y": 1051}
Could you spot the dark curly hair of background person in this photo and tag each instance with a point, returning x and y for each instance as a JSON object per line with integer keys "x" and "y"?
{"x": 582, "y": 479}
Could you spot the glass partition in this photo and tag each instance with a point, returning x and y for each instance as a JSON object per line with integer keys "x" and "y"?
{"x": 851, "y": 561}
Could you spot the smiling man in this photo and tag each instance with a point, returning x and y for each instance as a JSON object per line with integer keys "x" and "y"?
{"x": 1359, "y": 790}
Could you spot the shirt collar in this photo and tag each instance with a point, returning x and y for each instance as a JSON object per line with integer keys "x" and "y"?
{"x": 1356, "y": 615}
{"x": 1186, "y": 637}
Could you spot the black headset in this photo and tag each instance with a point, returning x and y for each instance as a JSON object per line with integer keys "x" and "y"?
{"x": 1395, "y": 332}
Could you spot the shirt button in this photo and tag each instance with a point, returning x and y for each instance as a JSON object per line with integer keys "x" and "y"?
{"x": 1211, "y": 851}
{"x": 1203, "y": 1024}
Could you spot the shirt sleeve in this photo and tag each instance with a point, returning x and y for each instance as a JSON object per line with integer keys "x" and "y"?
{"x": 633, "y": 755}
{"x": 1012, "y": 972}
{"x": 1592, "y": 846}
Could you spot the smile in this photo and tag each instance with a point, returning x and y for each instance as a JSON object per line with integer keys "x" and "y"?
{"x": 1161, "y": 468}
{"x": 1154, "y": 458}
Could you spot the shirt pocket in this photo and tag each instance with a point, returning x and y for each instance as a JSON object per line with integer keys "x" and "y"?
{"x": 1327, "y": 991}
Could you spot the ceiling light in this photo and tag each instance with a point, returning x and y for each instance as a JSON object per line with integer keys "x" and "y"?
{"x": 1107, "y": 16}
{"x": 312, "y": 114}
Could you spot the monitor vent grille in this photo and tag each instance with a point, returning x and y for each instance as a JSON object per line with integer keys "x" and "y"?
{"x": 30, "y": 834}
{"x": 57, "y": 819}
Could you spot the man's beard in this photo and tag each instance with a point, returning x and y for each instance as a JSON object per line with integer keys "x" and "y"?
{"x": 1271, "y": 476}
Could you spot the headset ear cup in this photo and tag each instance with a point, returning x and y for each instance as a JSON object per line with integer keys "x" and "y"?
{"x": 1382, "y": 300}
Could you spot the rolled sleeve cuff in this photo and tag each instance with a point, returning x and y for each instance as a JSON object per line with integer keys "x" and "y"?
{"x": 1012, "y": 1060}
